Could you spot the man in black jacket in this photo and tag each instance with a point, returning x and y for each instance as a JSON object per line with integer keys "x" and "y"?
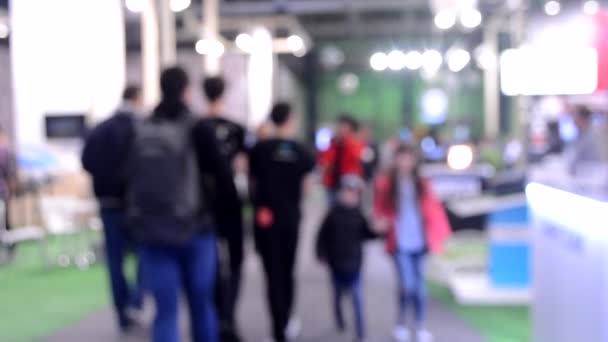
{"x": 231, "y": 140}
{"x": 104, "y": 157}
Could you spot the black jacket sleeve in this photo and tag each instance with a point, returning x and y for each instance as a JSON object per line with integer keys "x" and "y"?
{"x": 367, "y": 232}
{"x": 212, "y": 164}
{"x": 322, "y": 244}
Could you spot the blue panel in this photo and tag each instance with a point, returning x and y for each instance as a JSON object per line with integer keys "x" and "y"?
{"x": 509, "y": 264}
{"x": 517, "y": 215}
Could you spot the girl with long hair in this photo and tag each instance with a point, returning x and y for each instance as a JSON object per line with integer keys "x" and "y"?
{"x": 415, "y": 223}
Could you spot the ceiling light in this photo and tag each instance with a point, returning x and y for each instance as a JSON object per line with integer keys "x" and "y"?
{"x": 210, "y": 47}
{"x": 295, "y": 43}
{"x": 431, "y": 62}
{"x": 553, "y": 7}
{"x": 379, "y": 61}
{"x": 591, "y": 7}
{"x": 445, "y": 19}
{"x": 396, "y": 60}
{"x": 244, "y": 41}
{"x": 179, "y": 5}
{"x": 413, "y": 60}
{"x": 3, "y": 31}
{"x": 458, "y": 59}
{"x": 135, "y": 6}
{"x": 471, "y": 18}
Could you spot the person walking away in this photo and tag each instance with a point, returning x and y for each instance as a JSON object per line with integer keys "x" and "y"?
{"x": 169, "y": 216}
{"x": 278, "y": 169}
{"x": 105, "y": 157}
{"x": 416, "y": 223}
{"x": 8, "y": 181}
{"x": 340, "y": 245}
{"x": 343, "y": 157}
{"x": 586, "y": 150}
{"x": 231, "y": 140}
{"x": 370, "y": 154}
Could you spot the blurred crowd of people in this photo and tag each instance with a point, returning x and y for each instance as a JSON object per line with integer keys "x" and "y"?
{"x": 166, "y": 189}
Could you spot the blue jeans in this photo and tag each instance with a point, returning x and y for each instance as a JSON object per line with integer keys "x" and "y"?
{"x": 412, "y": 290}
{"x": 117, "y": 244}
{"x": 193, "y": 267}
{"x": 345, "y": 282}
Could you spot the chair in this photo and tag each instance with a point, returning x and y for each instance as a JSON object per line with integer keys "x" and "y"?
{"x": 18, "y": 235}
{"x": 67, "y": 219}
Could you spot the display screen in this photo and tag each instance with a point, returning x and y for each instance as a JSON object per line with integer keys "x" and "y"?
{"x": 72, "y": 126}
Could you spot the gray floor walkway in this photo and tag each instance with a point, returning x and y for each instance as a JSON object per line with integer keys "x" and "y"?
{"x": 313, "y": 302}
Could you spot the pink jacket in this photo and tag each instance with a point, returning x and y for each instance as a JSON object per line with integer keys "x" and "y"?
{"x": 436, "y": 225}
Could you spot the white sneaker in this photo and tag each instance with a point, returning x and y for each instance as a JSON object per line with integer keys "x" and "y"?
{"x": 294, "y": 328}
{"x": 401, "y": 334}
{"x": 424, "y": 335}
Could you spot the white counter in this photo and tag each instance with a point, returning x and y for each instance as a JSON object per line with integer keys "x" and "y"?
{"x": 570, "y": 266}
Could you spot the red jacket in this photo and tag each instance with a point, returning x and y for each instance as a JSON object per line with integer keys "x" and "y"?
{"x": 351, "y": 163}
{"x": 436, "y": 225}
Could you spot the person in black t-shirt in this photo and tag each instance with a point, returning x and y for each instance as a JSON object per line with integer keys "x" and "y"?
{"x": 278, "y": 169}
{"x": 231, "y": 143}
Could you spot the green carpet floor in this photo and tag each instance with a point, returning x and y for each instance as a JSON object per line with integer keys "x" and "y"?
{"x": 36, "y": 301}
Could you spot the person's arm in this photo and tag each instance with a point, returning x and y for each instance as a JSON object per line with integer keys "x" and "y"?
{"x": 308, "y": 165}
{"x": 368, "y": 232}
{"x": 322, "y": 244}
{"x": 213, "y": 164}
{"x": 88, "y": 156}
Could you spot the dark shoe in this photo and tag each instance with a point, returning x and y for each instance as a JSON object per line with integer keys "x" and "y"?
{"x": 229, "y": 335}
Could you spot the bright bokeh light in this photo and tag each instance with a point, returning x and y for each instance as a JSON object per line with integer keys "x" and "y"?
{"x": 413, "y": 60}
{"x": 210, "y": 47}
{"x": 591, "y": 7}
{"x": 244, "y": 41}
{"x": 135, "y": 6}
{"x": 445, "y": 19}
{"x": 4, "y": 31}
{"x": 295, "y": 43}
{"x": 179, "y": 5}
{"x": 458, "y": 59}
{"x": 553, "y": 7}
{"x": 431, "y": 62}
{"x": 549, "y": 71}
{"x": 379, "y": 61}
{"x": 323, "y": 138}
{"x": 460, "y": 157}
{"x": 396, "y": 60}
{"x": 485, "y": 58}
{"x": 434, "y": 106}
{"x": 471, "y": 18}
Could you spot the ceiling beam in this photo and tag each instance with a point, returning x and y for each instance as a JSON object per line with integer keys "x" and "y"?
{"x": 304, "y": 7}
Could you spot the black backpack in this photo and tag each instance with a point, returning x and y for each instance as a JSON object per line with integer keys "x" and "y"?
{"x": 164, "y": 199}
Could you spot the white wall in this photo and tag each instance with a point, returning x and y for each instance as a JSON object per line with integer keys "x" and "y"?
{"x": 68, "y": 57}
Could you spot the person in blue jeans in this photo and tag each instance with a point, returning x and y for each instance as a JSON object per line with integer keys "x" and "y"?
{"x": 105, "y": 157}
{"x": 340, "y": 245}
{"x": 170, "y": 217}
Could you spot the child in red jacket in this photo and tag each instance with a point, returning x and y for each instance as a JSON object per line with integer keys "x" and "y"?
{"x": 416, "y": 223}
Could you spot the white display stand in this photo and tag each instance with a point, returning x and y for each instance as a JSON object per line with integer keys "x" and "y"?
{"x": 570, "y": 266}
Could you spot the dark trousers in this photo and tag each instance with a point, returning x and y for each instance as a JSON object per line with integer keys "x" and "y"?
{"x": 343, "y": 283}
{"x": 230, "y": 261}
{"x": 277, "y": 247}
{"x": 117, "y": 245}
{"x": 191, "y": 267}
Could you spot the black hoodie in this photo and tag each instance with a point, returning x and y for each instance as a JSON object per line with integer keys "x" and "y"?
{"x": 341, "y": 238}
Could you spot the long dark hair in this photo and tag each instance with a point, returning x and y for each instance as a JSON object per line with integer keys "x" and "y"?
{"x": 394, "y": 175}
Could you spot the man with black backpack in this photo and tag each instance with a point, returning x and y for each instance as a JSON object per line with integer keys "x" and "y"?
{"x": 170, "y": 217}
{"x": 104, "y": 157}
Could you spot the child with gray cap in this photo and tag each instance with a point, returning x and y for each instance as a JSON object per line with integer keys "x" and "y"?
{"x": 340, "y": 245}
